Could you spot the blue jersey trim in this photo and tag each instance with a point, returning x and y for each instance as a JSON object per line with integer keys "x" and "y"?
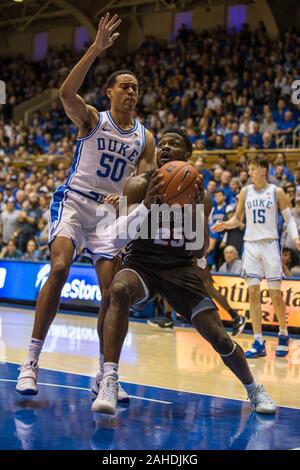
{"x": 115, "y": 125}
{"x": 93, "y": 130}
{"x": 102, "y": 255}
{"x": 143, "y": 138}
{"x": 57, "y": 205}
{"x": 76, "y": 160}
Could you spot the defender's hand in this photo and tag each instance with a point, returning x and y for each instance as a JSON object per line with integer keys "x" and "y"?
{"x": 297, "y": 243}
{"x": 112, "y": 199}
{"x": 218, "y": 227}
{"x": 104, "y": 37}
{"x": 155, "y": 190}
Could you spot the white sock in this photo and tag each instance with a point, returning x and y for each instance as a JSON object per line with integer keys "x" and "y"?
{"x": 110, "y": 368}
{"x": 259, "y": 338}
{"x": 101, "y": 363}
{"x": 251, "y": 387}
{"x": 35, "y": 349}
{"x": 283, "y": 331}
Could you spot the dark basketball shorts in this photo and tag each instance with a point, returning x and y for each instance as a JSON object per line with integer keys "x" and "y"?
{"x": 181, "y": 286}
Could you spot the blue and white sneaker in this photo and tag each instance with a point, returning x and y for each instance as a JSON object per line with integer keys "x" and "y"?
{"x": 123, "y": 397}
{"x": 261, "y": 402}
{"x": 283, "y": 345}
{"x": 27, "y": 380}
{"x": 257, "y": 350}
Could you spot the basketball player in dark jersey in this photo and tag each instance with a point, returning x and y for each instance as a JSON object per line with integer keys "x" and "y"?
{"x": 168, "y": 267}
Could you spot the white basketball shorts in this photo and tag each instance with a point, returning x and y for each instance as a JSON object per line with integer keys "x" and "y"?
{"x": 262, "y": 260}
{"x": 74, "y": 216}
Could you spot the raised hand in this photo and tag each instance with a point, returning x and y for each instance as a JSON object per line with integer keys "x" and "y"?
{"x": 112, "y": 199}
{"x": 218, "y": 227}
{"x": 104, "y": 37}
{"x": 155, "y": 190}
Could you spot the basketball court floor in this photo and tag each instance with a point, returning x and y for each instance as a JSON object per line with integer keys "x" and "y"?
{"x": 182, "y": 397}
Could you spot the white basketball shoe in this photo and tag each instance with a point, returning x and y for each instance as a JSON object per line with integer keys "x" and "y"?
{"x": 123, "y": 397}
{"x": 107, "y": 399}
{"x": 27, "y": 380}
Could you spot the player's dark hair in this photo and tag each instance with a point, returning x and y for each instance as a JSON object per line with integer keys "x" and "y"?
{"x": 260, "y": 160}
{"x": 113, "y": 77}
{"x": 187, "y": 142}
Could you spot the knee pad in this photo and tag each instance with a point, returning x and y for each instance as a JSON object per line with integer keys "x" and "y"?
{"x": 233, "y": 349}
{"x": 252, "y": 281}
{"x": 274, "y": 285}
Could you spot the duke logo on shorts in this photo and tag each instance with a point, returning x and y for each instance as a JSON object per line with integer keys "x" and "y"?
{"x": 103, "y": 162}
{"x": 262, "y": 251}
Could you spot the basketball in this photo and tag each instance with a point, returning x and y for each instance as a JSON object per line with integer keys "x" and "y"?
{"x": 179, "y": 178}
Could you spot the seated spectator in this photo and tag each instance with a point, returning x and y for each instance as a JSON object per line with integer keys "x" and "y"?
{"x": 10, "y": 251}
{"x": 247, "y": 125}
{"x": 280, "y": 160}
{"x": 290, "y": 191}
{"x": 286, "y": 127}
{"x": 32, "y": 253}
{"x": 28, "y": 219}
{"x": 278, "y": 115}
{"x": 290, "y": 265}
{"x": 41, "y": 238}
{"x": 9, "y": 220}
{"x": 279, "y": 178}
{"x": 235, "y": 236}
{"x": 267, "y": 141}
{"x": 255, "y": 138}
{"x": 234, "y": 138}
{"x": 232, "y": 265}
{"x": 268, "y": 125}
{"x": 199, "y": 165}
{"x": 225, "y": 186}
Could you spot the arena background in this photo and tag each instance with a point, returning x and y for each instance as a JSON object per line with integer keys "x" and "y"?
{"x": 39, "y": 43}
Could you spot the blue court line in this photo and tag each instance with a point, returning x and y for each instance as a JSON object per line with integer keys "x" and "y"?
{"x": 61, "y": 418}
{"x": 88, "y": 390}
{"x": 148, "y": 386}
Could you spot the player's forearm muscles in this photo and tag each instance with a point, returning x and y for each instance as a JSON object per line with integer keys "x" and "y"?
{"x": 233, "y": 222}
{"x": 78, "y": 73}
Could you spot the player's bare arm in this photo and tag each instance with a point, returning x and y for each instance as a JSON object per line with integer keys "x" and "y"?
{"x": 83, "y": 115}
{"x": 236, "y": 219}
{"x": 147, "y": 160}
{"x": 140, "y": 189}
{"x": 285, "y": 208}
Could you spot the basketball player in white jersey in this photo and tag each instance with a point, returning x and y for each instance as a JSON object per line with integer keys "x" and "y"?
{"x": 261, "y": 202}
{"x": 111, "y": 146}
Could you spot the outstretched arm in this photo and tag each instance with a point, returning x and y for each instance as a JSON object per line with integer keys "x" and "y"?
{"x": 84, "y": 116}
{"x": 147, "y": 160}
{"x": 236, "y": 219}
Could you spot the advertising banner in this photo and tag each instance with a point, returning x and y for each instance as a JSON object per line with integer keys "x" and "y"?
{"x": 235, "y": 290}
{"x": 20, "y": 280}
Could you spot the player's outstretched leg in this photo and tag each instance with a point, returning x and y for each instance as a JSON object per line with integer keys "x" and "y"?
{"x": 106, "y": 270}
{"x": 126, "y": 290}
{"x": 62, "y": 250}
{"x": 209, "y": 325}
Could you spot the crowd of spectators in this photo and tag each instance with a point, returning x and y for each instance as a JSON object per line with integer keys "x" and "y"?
{"x": 227, "y": 91}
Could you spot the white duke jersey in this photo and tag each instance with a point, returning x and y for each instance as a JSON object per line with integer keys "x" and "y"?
{"x": 261, "y": 210}
{"x": 106, "y": 158}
